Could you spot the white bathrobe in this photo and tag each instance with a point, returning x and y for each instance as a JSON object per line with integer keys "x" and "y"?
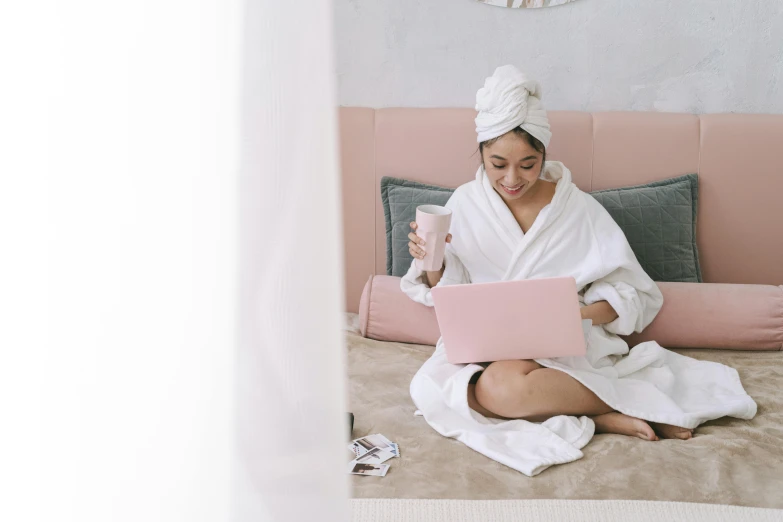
{"x": 572, "y": 236}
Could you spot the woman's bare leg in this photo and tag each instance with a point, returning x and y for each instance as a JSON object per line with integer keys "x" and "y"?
{"x": 524, "y": 389}
{"x": 475, "y": 406}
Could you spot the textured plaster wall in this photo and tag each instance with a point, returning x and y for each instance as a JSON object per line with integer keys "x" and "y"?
{"x": 699, "y": 56}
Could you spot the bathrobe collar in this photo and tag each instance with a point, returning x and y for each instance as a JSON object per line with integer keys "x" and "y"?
{"x": 554, "y": 171}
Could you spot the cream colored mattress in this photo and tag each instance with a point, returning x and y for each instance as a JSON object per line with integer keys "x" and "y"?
{"x": 729, "y": 461}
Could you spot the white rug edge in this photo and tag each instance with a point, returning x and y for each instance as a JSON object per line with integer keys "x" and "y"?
{"x": 445, "y": 510}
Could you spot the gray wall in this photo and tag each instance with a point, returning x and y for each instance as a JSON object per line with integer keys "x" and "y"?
{"x": 699, "y": 56}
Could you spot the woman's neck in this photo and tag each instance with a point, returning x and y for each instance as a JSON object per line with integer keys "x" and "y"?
{"x": 540, "y": 195}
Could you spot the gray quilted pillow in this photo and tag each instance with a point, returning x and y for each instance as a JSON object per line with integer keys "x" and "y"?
{"x": 659, "y": 220}
{"x": 400, "y": 199}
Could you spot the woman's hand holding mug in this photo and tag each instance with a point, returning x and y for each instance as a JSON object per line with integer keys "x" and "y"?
{"x": 415, "y": 243}
{"x": 416, "y": 247}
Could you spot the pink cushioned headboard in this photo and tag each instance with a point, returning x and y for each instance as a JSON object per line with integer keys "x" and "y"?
{"x": 738, "y": 159}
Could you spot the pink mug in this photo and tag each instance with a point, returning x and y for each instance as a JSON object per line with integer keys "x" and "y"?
{"x": 433, "y": 224}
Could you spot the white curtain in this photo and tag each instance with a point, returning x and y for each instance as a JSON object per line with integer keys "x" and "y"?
{"x": 162, "y": 360}
{"x": 292, "y": 415}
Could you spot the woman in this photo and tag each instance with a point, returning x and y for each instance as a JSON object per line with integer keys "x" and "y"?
{"x": 523, "y": 218}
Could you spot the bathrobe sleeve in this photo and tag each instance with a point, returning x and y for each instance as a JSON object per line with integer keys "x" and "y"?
{"x": 622, "y": 281}
{"x": 414, "y": 282}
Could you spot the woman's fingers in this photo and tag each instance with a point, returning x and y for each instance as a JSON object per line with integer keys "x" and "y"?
{"x": 416, "y": 239}
{"x": 448, "y": 238}
{"x": 413, "y": 237}
{"x": 415, "y": 251}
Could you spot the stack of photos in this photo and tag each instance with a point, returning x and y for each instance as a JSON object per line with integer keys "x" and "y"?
{"x": 371, "y": 452}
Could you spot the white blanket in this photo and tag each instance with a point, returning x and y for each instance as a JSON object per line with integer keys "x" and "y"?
{"x": 572, "y": 236}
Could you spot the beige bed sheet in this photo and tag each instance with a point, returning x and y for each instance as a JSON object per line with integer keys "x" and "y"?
{"x": 729, "y": 461}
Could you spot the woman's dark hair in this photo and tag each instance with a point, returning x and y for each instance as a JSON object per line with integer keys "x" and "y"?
{"x": 522, "y": 133}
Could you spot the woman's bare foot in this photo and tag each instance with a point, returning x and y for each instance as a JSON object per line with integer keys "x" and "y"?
{"x": 667, "y": 431}
{"x": 616, "y": 422}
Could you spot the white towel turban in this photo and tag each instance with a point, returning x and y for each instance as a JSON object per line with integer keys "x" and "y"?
{"x": 509, "y": 99}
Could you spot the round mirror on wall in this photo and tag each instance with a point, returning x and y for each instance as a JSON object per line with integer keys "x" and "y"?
{"x": 525, "y": 4}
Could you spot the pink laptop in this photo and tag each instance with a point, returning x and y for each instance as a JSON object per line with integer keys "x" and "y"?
{"x": 530, "y": 319}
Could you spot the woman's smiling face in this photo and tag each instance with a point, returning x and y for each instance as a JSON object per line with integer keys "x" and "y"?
{"x": 513, "y": 166}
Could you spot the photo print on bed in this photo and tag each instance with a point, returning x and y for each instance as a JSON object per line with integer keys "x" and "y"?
{"x": 372, "y": 450}
{"x": 371, "y": 470}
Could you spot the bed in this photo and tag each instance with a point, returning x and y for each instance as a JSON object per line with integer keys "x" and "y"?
{"x": 728, "y": 461}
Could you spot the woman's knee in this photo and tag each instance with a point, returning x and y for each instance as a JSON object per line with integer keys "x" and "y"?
{"x": 502, "y": 387}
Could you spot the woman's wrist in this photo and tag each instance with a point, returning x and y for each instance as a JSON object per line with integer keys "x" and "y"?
{"x": 433, "y": 278}
{"x": 600, "y": 312}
